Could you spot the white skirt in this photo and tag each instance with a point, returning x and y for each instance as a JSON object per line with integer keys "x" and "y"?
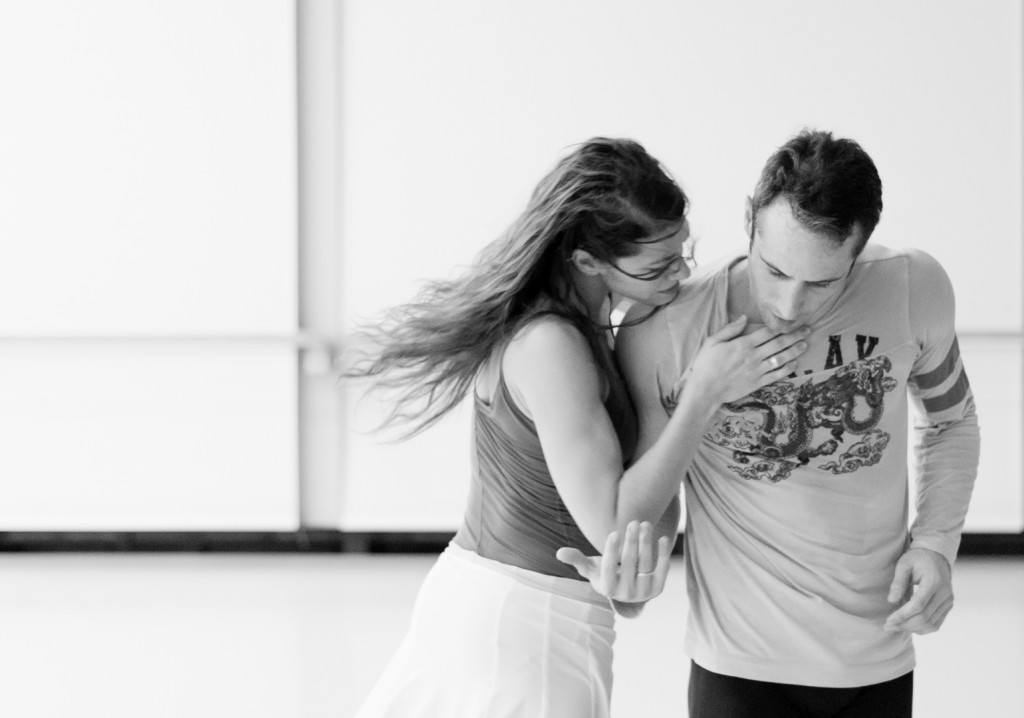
{"x": 488, "y": 640}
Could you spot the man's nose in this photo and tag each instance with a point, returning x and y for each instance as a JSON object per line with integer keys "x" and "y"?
{"x": 790, "y": 302}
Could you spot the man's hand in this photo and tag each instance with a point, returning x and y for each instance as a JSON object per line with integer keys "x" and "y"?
{"x": 627, "y": 572}
{"x": 932, "y": 599}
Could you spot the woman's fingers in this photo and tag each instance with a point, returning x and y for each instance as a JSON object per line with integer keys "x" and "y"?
{"x": 778, "y": 356}
{"x": 764, "y": 342}
{"x": 785, "y": 361}
{"x": 774, "y": 345}
{"x": 632, "y": 568}
{"x": 583, "y": 564}
{"x": 610, "y": 565}
{"x": 652, "y": 565}
{"x": 645, "y": 553}
{"x": 730, "y": 330}
{"x": 630, "y": 553}
{"x": 774, "y": 375}
{"x": 661, "y": 568}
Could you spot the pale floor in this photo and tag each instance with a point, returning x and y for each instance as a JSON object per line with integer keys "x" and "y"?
{"x": 304, "y": 636}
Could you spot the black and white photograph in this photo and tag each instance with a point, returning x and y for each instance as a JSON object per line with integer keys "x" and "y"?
{"x": 512, "y": 359}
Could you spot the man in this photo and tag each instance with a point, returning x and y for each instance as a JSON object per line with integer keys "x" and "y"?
{"x": 804, "y": 583}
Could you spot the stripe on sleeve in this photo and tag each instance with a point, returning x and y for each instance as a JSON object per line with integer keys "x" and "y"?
{"x": 951, "y": 398}
{"x": 942, "y": 372}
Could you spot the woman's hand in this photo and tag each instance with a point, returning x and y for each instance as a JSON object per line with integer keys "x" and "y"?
{"x": 630, "y": 571}
{"x": 730, "y": 366}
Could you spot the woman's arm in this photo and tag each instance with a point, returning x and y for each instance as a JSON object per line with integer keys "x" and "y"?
{"x": 555, "y": 379}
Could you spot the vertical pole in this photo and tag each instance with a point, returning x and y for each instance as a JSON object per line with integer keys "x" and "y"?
{"x": 321, "y": 423}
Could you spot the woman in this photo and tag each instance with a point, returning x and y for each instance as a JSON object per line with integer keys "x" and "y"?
{"x": 501, "y": 626}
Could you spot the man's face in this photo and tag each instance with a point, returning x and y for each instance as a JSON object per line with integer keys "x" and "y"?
{"x": 795, "y": 274}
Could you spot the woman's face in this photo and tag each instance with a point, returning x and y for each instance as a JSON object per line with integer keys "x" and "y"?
{"x": 652, "y": 275}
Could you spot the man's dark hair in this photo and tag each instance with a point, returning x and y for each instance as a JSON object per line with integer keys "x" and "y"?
{"x": 831, "y": 184}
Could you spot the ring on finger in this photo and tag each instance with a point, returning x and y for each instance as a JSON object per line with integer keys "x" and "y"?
{"x": 644, "y": 574}
{"x": 773, "y": 361}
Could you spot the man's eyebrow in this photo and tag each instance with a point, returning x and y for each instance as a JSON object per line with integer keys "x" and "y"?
{"x": 779, "y": 271}
{"x": 773, "y": 267}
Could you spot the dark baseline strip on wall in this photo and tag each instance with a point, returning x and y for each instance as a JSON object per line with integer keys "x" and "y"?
{"x": 327, "y": 541}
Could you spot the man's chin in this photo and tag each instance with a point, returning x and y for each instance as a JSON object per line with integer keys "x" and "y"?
{"x": 781, "y": 326}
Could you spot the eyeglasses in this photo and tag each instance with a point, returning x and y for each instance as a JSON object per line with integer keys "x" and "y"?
{"x": 656, "y": 274}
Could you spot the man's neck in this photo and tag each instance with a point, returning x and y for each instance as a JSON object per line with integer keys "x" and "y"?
{"x": 738, "y": 300}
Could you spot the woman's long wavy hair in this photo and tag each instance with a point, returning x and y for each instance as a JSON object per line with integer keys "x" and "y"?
{"x": 604, "y": 197}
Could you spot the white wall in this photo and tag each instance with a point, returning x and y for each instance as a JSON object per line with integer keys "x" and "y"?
{"x": 453, "y": 110}
{"x": 148, "y": 265}
{"x": 152, "y": 361}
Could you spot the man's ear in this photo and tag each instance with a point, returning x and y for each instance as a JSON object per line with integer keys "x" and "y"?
{"x": 748, "y": 218}
{"x": 587, "y": 262}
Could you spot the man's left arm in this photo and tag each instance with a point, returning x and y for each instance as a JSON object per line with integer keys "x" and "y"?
{"x": 946, "y": 451}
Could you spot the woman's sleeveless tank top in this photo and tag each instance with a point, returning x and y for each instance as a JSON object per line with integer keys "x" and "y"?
{"x": 514, "y": 513}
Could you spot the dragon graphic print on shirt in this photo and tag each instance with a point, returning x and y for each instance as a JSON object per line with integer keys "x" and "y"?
{"x": 789, "y": 424}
